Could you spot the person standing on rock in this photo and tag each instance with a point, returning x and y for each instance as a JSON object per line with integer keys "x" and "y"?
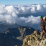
{"x": 44, "y": 25}
{"x": 41, "y": 26}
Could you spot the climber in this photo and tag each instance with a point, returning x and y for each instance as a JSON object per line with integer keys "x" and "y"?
{"x": 44, "y": 24}
{"x": 43, "y": 27}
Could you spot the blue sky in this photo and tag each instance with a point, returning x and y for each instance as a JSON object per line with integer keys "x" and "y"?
{"x": 13, "y": 2}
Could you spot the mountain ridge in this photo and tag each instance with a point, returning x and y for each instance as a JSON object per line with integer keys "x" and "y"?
{"x": 15, "y": 36}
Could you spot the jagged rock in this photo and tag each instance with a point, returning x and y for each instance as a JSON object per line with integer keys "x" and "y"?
{"x": 34, "y": 39}
{"x": 35, "y": 32}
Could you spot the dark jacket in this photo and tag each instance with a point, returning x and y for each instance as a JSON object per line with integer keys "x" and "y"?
{"x": 44, "y": 25}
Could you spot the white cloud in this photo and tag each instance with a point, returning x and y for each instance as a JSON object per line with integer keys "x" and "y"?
{"x": 9, "y": 14}
{"x": 33, "y": 9}
{"x": 38, "y": 7}
{"x": 31, "y": 19}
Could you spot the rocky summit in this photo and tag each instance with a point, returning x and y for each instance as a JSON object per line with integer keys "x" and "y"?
{"x": 34, "y": 39}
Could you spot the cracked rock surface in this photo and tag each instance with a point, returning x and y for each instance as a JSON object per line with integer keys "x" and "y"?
{"x": 34, "y": 39}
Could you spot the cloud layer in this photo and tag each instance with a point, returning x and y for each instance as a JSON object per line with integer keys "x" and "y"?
{"x": 22, "y": 14}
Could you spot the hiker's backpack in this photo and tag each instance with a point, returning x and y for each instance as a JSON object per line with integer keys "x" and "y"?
{"x": 44, "y": 25}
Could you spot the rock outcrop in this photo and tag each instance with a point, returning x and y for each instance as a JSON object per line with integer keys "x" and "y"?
{"x": 34, "y": 39}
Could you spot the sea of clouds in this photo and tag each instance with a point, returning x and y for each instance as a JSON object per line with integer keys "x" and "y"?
{"x": 22, "y": 14}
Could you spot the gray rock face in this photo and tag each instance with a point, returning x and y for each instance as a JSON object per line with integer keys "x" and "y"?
{"x": 34, "y": 39}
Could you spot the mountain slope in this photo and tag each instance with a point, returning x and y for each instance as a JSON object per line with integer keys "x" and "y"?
{"x": 3, "y": 27}
{"x": 19, "y": 31}
{"x": 14, "y": 36}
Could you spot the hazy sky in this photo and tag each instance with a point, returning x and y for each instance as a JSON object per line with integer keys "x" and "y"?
{"x": 13, "y": 2}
